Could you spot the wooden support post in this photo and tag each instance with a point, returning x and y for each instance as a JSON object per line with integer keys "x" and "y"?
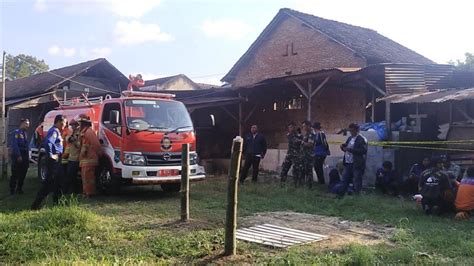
{"x": 301, "y": 88}
{"x": 185, "y": 183}
{"x": 450, "y": 113}
{"x": 465, "y": 114}
{"x": 388, "y": 120}
{"x": 310, "y": 96}
{"x": 372, "y": 115}
{"x": 250, "y": 113}
{"x": 4, "y": 123}
{"x": 375, "y": 87}
{"x": 241, "y": 131}
{"x": 230, "y": 113}
{"x": 230, "y": 246}
{"x": 320, "y": 87}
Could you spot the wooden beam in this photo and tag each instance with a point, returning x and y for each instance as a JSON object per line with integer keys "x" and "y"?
{"x": 241, "y": 130}
{"x": 372, "y": 115}
{"x": 301, "y": 88}
{"x": 310, "y": 93}
{"x": 377, "y": 88}
{"x": 450, "y": 113}
{"x": 230, "y": 114}
{"x": 250, "y": 113}
{"x": 388, "y": 120}
{"x": 465, "y": 114}
{"x": 320, "y": 86}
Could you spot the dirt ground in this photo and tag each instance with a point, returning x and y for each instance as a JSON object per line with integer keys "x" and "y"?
{"x": 340, "y": 232}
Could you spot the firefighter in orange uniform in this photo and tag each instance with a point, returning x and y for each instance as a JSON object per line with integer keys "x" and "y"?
{"x": 39, "y": 135}
{"x": 89, "y": 155}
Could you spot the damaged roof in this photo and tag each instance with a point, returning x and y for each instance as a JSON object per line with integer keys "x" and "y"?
{"x": 435, "y": 96}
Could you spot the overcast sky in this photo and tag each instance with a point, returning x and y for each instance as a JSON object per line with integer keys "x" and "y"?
{"x": 204, "y": 38}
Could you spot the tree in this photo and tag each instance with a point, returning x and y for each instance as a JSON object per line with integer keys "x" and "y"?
{"x": 467, "y": 64}
{"x": 22, "y": 66}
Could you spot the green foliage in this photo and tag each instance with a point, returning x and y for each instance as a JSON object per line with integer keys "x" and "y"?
{"x": 140, "y": 227}
{"x": 191, "y": 245}
{"x": 467, "y": 64}
{"x": 360, "y": 255}
{"x": 21, "y": 66}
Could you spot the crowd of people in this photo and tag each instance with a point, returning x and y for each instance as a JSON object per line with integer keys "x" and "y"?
{"x": 70, "y": 147}
{"x": 435, "y": 183}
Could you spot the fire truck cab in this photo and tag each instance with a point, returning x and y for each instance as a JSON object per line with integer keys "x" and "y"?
{"x": 141, "y": 135}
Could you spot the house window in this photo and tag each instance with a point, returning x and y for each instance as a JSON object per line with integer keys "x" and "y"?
{"x": 291, "y": 104}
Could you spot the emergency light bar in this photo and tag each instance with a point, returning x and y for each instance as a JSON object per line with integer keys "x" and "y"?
{"x": 148, "y": 94}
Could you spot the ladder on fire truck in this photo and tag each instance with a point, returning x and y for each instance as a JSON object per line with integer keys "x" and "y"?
{"x": 80, "y": 101}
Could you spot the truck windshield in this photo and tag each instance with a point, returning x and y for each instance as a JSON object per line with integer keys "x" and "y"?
{"x": 157, "y": 115}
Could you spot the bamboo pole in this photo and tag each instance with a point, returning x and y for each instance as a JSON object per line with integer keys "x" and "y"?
{"x": 4, "y": 126}
{"x": 185, "y": 183}
{"x": 232, "y": 192}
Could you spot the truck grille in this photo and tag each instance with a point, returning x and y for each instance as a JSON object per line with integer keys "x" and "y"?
{"x": 163, "y": 159}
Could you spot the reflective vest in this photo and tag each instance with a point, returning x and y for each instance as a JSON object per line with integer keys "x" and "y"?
{"x": 65, "y": 155}
{"x": 74, "y": 145}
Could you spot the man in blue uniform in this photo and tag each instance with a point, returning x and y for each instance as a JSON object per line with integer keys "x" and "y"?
{"x": 20, "y": 157}
{"x": 53, "y": 144}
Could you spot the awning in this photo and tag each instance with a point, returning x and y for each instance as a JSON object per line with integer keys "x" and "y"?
{"x": 28, "y": 102}
{"x": 198, "y": 103}
{"x": 436, "y": 96}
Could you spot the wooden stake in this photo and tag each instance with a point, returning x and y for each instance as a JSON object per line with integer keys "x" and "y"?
{"x": 4, "y": 123}
{"x": 185, "y": 183}
{"x": 232, "y": 192}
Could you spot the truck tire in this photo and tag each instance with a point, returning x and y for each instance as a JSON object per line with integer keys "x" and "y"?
{"x": 42, "y": 168}
{"x": 108, "y": 182}
{"x": 173, "y": 187}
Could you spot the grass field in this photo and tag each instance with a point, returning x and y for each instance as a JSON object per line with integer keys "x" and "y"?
{"x": 140, "y": 226}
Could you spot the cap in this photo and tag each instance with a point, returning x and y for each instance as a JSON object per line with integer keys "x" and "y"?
{"x": 317, "y": 125}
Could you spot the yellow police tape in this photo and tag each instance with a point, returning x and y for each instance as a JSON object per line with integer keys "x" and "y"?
{"x": 414, "y": 144}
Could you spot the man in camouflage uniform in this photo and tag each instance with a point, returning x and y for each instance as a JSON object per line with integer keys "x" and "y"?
{"x": 307, "y": 155}
{"x": 294, "y": 142}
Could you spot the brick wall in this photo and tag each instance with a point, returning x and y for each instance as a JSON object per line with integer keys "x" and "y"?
{"x": 314, "y": 51}
{"x": 335, "y": 108}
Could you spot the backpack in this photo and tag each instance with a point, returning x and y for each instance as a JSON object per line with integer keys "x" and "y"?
{"x": 431, "y": 188}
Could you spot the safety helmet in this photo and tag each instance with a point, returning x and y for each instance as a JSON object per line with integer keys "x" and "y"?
{"x": 83, "y": 118}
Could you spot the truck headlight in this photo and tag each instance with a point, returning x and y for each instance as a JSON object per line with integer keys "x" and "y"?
{"x": 193, "y": 158}
{"x": 134, "y": 159}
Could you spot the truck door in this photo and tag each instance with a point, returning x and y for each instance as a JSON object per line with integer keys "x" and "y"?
{"x": 111, "y": 121}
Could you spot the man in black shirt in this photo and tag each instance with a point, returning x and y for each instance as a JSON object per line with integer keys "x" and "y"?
{"x": 255, "y": 148}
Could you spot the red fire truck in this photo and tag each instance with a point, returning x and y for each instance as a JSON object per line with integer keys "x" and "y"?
{"x": 141, "y": 135}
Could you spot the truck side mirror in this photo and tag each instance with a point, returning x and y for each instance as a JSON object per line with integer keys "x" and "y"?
{"x": 114, "y": 117}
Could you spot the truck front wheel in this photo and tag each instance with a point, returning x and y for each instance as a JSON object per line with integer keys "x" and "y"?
{"x": 174, "y": 187}
{"x": 108, "y": 182}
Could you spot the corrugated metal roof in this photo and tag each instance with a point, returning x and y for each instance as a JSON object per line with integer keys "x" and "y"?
{"x": 436, "y": 96}
{"x": 407, "y": 78}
